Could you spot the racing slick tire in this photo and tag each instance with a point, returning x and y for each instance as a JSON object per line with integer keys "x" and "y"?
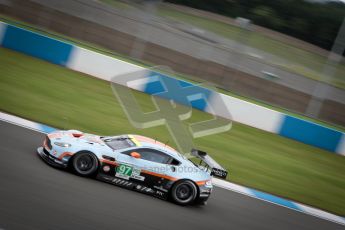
{"x": 184, "y": 192}
{"x": 85, "y": 164}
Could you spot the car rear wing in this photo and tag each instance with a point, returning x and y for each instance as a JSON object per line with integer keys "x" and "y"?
{"x": 209, "y": 164}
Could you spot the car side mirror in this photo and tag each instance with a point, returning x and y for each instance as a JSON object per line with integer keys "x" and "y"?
{"x": 135, "y": 155}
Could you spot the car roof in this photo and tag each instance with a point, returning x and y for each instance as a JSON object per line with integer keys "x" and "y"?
{"x": 142, "y": 141}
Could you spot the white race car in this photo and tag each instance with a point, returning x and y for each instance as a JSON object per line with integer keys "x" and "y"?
{"x": 135, "y": 162}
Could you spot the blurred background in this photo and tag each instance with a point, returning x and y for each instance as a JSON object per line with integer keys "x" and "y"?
{"x": 285, "y": 55}
{"x": 276, "y": 53}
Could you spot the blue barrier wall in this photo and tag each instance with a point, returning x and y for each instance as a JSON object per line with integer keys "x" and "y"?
{"x": 310, "y": 133}
{"x": 183, "y": 92}
{"x": 36, "y": 45}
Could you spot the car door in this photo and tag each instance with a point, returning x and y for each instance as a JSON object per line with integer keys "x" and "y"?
{"x": 150, "y": 168}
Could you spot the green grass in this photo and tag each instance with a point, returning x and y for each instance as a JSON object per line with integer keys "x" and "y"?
{"x": 50, "y": 94}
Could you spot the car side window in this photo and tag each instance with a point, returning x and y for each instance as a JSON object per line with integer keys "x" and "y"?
{"x": 152, "y": 155}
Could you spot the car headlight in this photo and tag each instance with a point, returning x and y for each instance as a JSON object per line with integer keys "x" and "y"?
{"x": 208, "y": 183}
{"x": 62, "y": 144}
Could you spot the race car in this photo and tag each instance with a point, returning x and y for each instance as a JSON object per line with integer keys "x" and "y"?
{"x": 135, "y": 162}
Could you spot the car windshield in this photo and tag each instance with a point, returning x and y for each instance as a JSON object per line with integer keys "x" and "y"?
{"x": 118, "y": 143}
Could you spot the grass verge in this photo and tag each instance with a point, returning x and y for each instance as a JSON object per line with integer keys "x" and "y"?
{"x": 47, "y": 93}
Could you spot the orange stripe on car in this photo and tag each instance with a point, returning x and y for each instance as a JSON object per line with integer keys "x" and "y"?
{"x": 201, "y": 182}
{"x": 54, "y": 135}
{"x": 65, "y": 154}
{"x": 109, "y": 162}
{"x": 45, "y": 144}
{"x": 159, "y": 175}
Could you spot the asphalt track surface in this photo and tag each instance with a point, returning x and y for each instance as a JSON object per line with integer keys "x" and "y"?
{"x": 35, "y": 196}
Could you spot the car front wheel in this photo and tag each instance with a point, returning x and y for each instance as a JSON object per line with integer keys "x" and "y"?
{"x": 184, "y": 192}
{"x": 85, "y": 164}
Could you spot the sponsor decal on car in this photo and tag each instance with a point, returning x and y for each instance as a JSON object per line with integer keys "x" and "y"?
{"x": 125, "y": 171}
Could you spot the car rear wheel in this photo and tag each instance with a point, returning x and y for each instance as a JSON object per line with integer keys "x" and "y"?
{"x": 184, "y": 192}
{"x": 85, "y": 164}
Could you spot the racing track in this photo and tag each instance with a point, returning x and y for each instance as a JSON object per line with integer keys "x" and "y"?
{"x": 35, "y": 196}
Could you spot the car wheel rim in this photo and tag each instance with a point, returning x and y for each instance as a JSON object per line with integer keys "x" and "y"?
{"x": 184, "y": 192}
{"x": 84, "y": 163}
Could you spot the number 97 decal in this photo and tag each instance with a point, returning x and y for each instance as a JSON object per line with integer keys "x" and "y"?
{"x": 124, "y": 171}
